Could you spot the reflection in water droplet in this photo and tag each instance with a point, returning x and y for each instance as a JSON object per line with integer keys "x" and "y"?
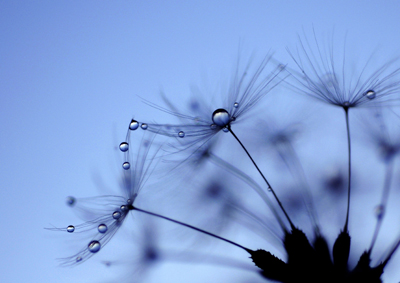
{"x": 116, "y": 214}
{"x": 370, "y": 94}
{"x": 144, "y": 126}
{"x": 236, "y": 105}
{"x": 181, "y": 134}
{"x": 126, "y": 165}
{"x": 94, "y": 246}
{"x": 379, "y": 211}
{"x": 133, "y": 125}
{"x": 225, "y": 129}
{"x": 78, "y": 259}
{"x": 70, "y": 229}
{"x": 124, "y": 146}
{"x": 71, "y": 201}
{"x": 102, "y": 228}
{"x": 221, "y": 117}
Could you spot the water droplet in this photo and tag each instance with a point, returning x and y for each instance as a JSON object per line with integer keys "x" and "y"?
{"x": 116, "y": 214}
{"x": 129, "y": 202}
{"x": 370, "y": 94}
{"x": 78, "y": 258}
{"x": 225, "y": 129}
{"x": 70, "y": 229}
{"x": 102, "y": 228}
{"x": 236, "y": 105}
{"x": 213, "y": 127}
{"x": 221, "y": 117}
{"x": 71, "y": 201}
{"x": 269, "y": 189}
{"x": 144, "y": 126}
{"x": 346, "y": 104}
{"x": 124, "y": 146}
{"x": 124, "y": 208}
{"x": 133, "y": 125}
{"x": 126, "y": 165}
{"x": 181, "y": 134}
{"x": 379, "y": 211}
{"x": 94, "y": 246}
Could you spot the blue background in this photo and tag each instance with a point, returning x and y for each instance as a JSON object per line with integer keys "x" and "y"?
{"x": 70, "y": 76}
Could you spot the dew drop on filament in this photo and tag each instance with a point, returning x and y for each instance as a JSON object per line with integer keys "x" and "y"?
{"x": 70, "y": 201}
{"x": 225, "y": 129}
{"x": 102, "y": 228}
{"x": 181, "y": 134}
{"x": 78, "y": 258}
{"x": 379, "y": 211}
{"x": 94, "y": 246}
{"x": 370, "y": 94}
{"x": 144, "y": 126}
{"x": 221, "y": 117}
{"x": 124, "y": 146}
{"x": 116, "y": 214}
{"x": 133, "y": 125}
{"x": 70, "y": 229}
{"x": 236, "y": 105}
{"x": 126, "y": 165}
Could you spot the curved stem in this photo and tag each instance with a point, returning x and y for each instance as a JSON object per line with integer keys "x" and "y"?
{"x": 265, "y": 179}
{"x": 346, "y": 110}
{"x": 131, "y": 207}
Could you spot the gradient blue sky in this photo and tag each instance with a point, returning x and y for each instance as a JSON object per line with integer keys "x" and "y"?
{"x": 70, "y": 74}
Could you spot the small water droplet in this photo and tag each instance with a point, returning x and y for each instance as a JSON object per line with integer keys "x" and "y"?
{"x": 116, "y": 214}
{"x": 370, "y": 94}
{"x": 225, "y": 129}
{"x": 124, "y": 146}
{"x": 102, "y": 228}
{"x": 346, "y": 103}
{"x": 129, "y": 202}
{"x": 269, "y": 189}
{"x": 70, "y": 229}
{"x": 213, "y": 127}
{"x": 124, "y": 208}
{"x": 233, "y": 119}
{"x": 94, "y": 246}
{"x": 181, "y": 134}
{"x": 78, "y": 258}
{"x": 133, "y": 125}
{"x": 144, "y": 126}
{"x": 379, "y": 211}
{"x": 126, "y": 165}
{"x": 71, "y": 201}
{"x": 236, "y": 105}
{"x": 221, "y": 117}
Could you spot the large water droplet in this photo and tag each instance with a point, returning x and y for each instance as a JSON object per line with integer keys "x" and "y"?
{"x": 379, "y": 211}
{"x": 78, "y": 258}
{"x": 71, "y": 201}
{"x": 70, "y": 229}
{"x": 133, "y": 125}
{"x": 124, "y": 146}
{"x": 126, "y": 165}
{"x": 94, "y": 246}
{"x": 236, "y": 105}
{"x": 102, "y": 228}
{"x": 181, "y": 134}
{"x": 144, "y": 126}
{"x": 370, "y": 94}
{"x": 221, "y": 117}
{"x": 116, "y": 214}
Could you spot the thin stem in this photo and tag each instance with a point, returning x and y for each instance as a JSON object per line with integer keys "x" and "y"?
{"x": 384, "y": 199}
{"x": 131, "y": 207}
{"x": 265, "y": 179}
{"x": 346, "y": 111}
